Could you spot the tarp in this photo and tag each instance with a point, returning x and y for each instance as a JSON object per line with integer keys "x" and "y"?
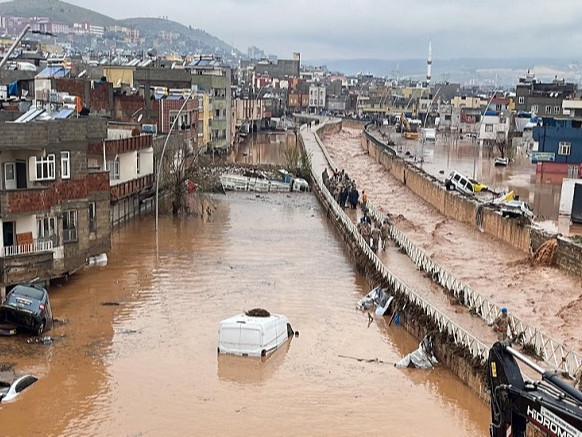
{"x": 422, "y": 358}
{"x": 13, "y": 89}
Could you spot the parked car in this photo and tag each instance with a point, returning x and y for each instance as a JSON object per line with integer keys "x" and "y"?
{"x": 463, "y": 184}
{"x": 27, "y": 306}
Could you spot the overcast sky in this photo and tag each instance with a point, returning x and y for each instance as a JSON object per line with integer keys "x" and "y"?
{"x": 383, "y": 29}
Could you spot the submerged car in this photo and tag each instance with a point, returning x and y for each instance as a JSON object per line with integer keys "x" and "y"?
{"x": 27, "y": 306}
{"x": 8, "y": 391}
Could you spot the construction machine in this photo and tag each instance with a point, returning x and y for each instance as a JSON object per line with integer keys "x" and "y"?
{"x": 550, "y": 404}
{"x": 410, "y": 130}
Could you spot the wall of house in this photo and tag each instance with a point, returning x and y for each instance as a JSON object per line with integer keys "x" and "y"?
{"x": 549, "y": 138}
{"x": 99, "y": 99}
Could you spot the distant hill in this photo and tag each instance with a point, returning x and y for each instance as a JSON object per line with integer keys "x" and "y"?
{"x": 192, "y": 40}
{"x": 196, "y": 38}
{"x": 55, "y": 10}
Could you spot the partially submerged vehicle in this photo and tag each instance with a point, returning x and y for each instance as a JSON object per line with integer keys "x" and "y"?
{"x": 9, "y": 391}
{"x": 379, "y": 299}
{"x": 256, "y": 333}
{"x": 27, "y": 306}
{"x": 501, "y": 162}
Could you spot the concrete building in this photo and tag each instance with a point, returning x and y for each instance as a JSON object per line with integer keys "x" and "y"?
{"x": 543, "y": 99}
{"x": 54, "y": 210}
{"x": 317, "y": 98}
{"x": 210, "y": 76}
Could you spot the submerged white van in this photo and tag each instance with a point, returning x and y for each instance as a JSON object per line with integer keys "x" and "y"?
{"x": 253, "y": 336}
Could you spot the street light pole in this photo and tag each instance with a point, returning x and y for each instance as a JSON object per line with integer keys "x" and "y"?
{"x": 162, "y": 155}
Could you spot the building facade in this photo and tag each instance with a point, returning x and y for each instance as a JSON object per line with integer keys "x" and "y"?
{"x": 54, "y": 210}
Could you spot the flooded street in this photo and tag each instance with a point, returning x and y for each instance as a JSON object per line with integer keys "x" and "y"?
{"x": 145, "y": 363}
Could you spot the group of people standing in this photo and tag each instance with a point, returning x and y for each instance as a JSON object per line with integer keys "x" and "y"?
{"x": 346, "y": 194}
{"x": 374, "y": 233}
{"x": 343, "y": 189}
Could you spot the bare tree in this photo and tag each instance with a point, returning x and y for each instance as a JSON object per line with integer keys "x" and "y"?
{"x": 178, "y": 169}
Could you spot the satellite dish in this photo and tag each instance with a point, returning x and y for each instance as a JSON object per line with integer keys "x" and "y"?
{"x": 152, "y": 52}
{"x": 139, "y": 117}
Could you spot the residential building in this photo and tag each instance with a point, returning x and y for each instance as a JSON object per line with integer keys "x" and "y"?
{"x": 129, "y": 162}
{"x": 543, "y": 99}
{"x": 493, "y": 128}
{"x": 204, "y": 120}
{"x": 209, "y": 75}
{"x": 317, "y": 98}
{"x": 54, "y": 211}
{"x": 558, "y": 147}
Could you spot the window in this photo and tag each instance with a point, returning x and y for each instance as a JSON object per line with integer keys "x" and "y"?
{"x": 70, "y": 225}
{"x": 521, "y": 100}
{"x": 46, "y": 229}
{"x": 488, "y": 128}
{"x": 45, "y": 167}
{"x": 113, "y": 169}
{"x": 556, "y": 109}
{"x": 217, "y": 113}
{"x": 92, "y": 217}
{"x": 65, "y": 165}
{"x": 564, "y": 148}
{"x": 137, "y": 163}
{"x": 534, "y": 108}
{"x": 548, "y": 109}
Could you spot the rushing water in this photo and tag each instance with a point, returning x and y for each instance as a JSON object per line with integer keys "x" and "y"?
{"x": 145, "y": 364}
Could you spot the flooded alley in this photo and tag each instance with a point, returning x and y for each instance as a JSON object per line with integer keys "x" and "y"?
{"x": 136, "y": 352}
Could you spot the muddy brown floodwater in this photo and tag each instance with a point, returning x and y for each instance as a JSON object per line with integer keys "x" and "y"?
{"x": 146, "y": 364}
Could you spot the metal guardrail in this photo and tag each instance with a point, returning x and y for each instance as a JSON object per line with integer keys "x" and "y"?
{"x": 553, "y": 352}
{"x": 460, "y": 335}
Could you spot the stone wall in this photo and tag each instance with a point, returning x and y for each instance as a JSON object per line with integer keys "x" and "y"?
{"x": 457, "y": 358}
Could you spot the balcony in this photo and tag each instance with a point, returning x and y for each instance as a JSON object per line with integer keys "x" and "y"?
{"x": 28, "y": 248}
{"x": 131, "y": 187}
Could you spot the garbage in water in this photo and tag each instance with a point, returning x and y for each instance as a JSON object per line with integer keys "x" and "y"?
{"x": 378, "y": 299}
{"x": 422, "y": 358}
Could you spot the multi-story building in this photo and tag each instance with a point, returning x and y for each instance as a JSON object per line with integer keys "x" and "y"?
{"x": 210, "y": 76}
{"x": 543, "y": 99}
{"x": 54, "y": 210}
{"x": 317, "y": 98}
